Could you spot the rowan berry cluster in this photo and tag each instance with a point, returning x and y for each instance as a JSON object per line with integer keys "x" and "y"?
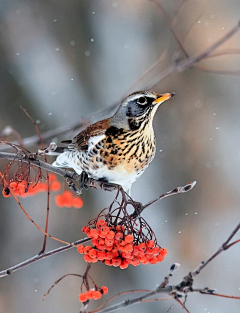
{"x": 115, "y": 246}
{"x": 94, "y": 294}
{"x": 19, "y": 188}
{"x": 23, "y": 188}
{"x": 68, "y": 200}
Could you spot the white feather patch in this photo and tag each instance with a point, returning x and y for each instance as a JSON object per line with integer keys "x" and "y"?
{"x": 92, "y": 141}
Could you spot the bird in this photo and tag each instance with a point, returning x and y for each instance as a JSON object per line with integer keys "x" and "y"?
{"x": 117, "y": 149}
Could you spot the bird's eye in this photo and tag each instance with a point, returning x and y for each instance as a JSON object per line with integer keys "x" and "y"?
{"x": 142, "y": 101}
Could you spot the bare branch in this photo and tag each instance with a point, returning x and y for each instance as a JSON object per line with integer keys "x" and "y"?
{"x": 175, "y": 191}
{"x": 38, "y": 257}
{"x": 187, "y": 63}
{"x": 224, "y": 246}
{"x": 170, "y": 25}
{"x": 58, "y": 281}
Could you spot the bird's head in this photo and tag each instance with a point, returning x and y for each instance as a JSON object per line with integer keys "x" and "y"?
{"x": 137, "y": 108}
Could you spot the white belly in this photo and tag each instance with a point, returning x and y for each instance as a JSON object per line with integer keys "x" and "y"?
{"x": 119, "y": 175}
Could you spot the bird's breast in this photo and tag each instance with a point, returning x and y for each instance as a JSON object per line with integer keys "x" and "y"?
{"x": 129, "y": 152}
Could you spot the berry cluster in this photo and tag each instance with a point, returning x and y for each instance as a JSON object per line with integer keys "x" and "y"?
{"x": 68, "y": 200}
{"x": 19, "y": 188}
{"x": 94, "y": 294}
{"x": 24, "y": 189}
{"x": 114, "y": 246}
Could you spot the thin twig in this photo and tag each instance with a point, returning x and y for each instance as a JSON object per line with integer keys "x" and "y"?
{"x": 28, "y": 216}
{"x": 175, "y": 191}
{"x": 218, "y": 295}
{"x": 225, "y": 246}
{"x": 183, "y": 306}
{"x": 58, "y": 281}
{"x": 223, "y": 72}
{"x": 38, "y": 257}
{"x": 119, "y": 295}
{"x": 170, "y": 26}
{"x": 187, "y": 63}
{"x": 126, "y": 303}
{"x": 69, "y": 128}
{"x": 47, "y": 176}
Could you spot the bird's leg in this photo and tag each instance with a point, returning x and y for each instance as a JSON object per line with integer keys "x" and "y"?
{"x": 83, "y": 180}
{"x": 72, "y": 185}
{"x": 105, "y": 185}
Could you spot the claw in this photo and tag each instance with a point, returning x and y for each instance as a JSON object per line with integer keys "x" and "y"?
{"x": 72, "y": 185}
{"x": 83, "y": 180}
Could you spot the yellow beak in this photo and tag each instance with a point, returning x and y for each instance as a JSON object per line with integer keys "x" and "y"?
{"x": 163, "y": 98}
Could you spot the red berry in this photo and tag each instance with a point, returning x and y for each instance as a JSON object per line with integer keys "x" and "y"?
{"x": 93, "y": 253}
{"x": 77, "y": 202}
{"x": 163, "y": 251}
{"x": 80, "y": 249}
{"x": 142, "y": 246}
{"x": 108, "y": 262}
{"x": 55, "y": 186}
{"x": 89, "y": 294}
{"x": 101, "y": 255}
{"x": 85, "y": 229}
{"x": 110, "y": 235}
{"x": 87, "y": 249}
{"x": 104, "y": 230}
{"x": 124, "y": 264}
{"x": 82, "y": 297}
{"x": 100, "y": 224}
{"x": 59, "y": 201}
{"x": 128, "y": 248}
{"x": 94, "y": 232}
{"x": 119, "y": 236}
{"x": 96, "y": 295}
{"x": 52, "y": 177}
{"x": 116, "y": 262}
{"x": 129, "y": 238}
{"x": 104, "y": 290}
{"x": 150, "y": 244}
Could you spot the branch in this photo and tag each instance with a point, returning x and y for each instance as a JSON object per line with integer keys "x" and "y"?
{"x": 136, "y": 300}
{"x": 59, "y": 171}
{"x": 91, "y": 183}
{"x": 170, "y": 26}
{"x": 175, "y": 67}
{"x": 225, "y": 246}
{"x": 189, "y": 62}
{"x": 47, "y": 136}
{"x": 175, "y": 191}
{"x": 38, "y": 257}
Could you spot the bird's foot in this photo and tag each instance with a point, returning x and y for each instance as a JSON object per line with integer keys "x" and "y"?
{"x": 109, "y": 186}
{"x": 83, "y": 180}
{"x": 72, "y": 185}
{"x": 105, "y": 185}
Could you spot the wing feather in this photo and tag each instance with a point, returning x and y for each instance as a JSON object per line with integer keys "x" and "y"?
{"x": 81, "y": 140}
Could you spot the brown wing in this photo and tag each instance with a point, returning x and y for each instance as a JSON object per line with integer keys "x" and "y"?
{"x": 80, "y": 141}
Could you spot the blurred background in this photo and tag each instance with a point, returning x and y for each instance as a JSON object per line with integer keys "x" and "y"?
{"x": 66, "y": 60}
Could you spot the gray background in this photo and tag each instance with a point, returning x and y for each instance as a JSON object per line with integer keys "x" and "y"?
{"x": 63, "y": 60}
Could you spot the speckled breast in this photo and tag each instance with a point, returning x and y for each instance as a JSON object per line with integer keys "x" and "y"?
{"x": 122, "y": 150}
